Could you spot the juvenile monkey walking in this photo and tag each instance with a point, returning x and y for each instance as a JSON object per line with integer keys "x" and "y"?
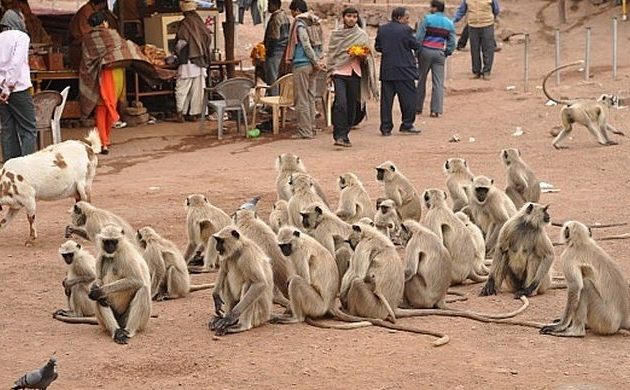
{"x": 597, "y": 292}
{"x": 592, "y": 114}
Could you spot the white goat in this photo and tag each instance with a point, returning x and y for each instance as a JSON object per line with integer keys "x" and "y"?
{"x": 59, "y": 171}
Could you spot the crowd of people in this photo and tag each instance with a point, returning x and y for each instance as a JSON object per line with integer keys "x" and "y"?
{"x": 295, "y": 47}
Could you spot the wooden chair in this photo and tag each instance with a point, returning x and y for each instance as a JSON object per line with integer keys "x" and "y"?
{"x": 278, "y": 104}
{"x": 45, "y": 104}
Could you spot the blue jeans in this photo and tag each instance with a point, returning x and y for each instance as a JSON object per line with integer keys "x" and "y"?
{"x": 19, "y": 135}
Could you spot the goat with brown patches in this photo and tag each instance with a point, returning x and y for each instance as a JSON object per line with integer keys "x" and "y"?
{"x": 60, "y": 171}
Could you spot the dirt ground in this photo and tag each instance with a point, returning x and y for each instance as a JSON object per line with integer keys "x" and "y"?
{"x": 152, "y": 169}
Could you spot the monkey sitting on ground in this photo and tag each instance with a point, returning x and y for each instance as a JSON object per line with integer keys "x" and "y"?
{"x": 169, "y": 273}
{"x": 373, "y": 285}
{"x": 303, "y": 196}
{"x": 597, "y": 295}
{"x": 456, "y": 237}
{"x": 522, "y": 184}
{"x": 330, "y": 231}
{"x": 202, "y": 220}
{"x": 428, "y": 268}
{"x": 279, "y": 216}
{"x": 387, "y": 220}
{"x": 354, "y": 201}
{"x": 591, "y": 114}
{"x": 458, "y": 176}
{"x": 81, "y": 273}
{"x": 489, "y": 208}
{"x": 289, "y": 164}
{"x": 314, "y": 287}
{"x": 258, "y": 231}
{"x": 480, "y": 245}
{"x": 244, "y": 284}
{"x": 523, "y": 255}
{"x": 399, "y": 189}
{"x": 122, "y": 290}
{"x": 87, "y": 222}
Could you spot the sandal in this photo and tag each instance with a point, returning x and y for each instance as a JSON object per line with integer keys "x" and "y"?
{"x": 434, "y": 115}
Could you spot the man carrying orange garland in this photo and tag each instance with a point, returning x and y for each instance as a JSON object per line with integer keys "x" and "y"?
{"x": 351, "y": 66}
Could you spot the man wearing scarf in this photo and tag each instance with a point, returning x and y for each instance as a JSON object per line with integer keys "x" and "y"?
{"x": 275, "y": 40}
{"x": 303, "y": 56}
{"x": 354, "y": 77}
{"x": 193, "y": 52}
{"x": 17, "y": 112}
{"x": 101, "y": 74}
{"x": 79, "y": 27}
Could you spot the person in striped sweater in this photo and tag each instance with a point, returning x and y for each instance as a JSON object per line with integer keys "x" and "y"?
{"x": 436, "y": 35}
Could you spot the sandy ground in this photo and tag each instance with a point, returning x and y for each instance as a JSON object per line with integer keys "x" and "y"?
{"x": 152, "y": 169}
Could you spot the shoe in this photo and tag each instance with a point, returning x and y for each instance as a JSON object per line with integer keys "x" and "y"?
{"x": 411, "y": 130}
{"x": 497, "y": 48}
{"x": 346, "y": 143}
{"x": 487, "y": 76}
{"x": 477, "y": 76}
{"x": 339, "y": 142}
{"x": 104, "y": 151}
{"x": 386, "y": 133}
{"x": 434, "y": 115}
{"x": 120, "y": 124}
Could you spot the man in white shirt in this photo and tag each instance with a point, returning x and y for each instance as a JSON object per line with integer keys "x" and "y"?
{"x": 17, "y": 112}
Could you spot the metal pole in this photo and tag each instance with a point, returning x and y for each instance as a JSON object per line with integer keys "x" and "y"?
{"x": 587, "y": 55}
{"x": 614, "y": 49}
{"x": 557, "y": 56}
{"x": 624, "y": 10}
{"x": 562, "y": 15}
{"x": 526, "y": 74}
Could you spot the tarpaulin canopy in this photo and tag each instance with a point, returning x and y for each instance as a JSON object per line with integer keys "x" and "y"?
{"x": 40, "y": 7}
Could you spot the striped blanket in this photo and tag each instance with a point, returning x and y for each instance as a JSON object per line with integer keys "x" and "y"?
{"x": 104, "y": 47}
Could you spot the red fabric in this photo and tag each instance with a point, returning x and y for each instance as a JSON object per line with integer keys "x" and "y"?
{"x": 106, "y": 113}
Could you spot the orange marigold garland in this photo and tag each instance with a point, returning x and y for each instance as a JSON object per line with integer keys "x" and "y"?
{"x": 358, "y": 51}
{"x": 258, "y": 54}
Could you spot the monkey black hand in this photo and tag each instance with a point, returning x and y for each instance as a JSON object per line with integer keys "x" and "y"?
{"x": 547, "y": 329}
{"x": 221, "y": 326}
{"x": 121, "y": 336}
{"x": 488, "y": 289}
{"x": 218, "y": 303}
{"x": 68, "y": 232}
{"x": 95, "y": 293}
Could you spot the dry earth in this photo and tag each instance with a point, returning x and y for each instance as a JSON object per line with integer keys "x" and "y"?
{"x": 152, "y": 169}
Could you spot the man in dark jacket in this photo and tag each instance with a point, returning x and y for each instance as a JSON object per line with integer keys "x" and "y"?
{"x": 396, "y": 42}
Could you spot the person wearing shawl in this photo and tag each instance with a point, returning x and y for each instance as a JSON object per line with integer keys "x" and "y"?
{"x": 17, "y": 112}
{"x": 193, "y": 50}
{"x": 79, "y": 27}
{"x": 275, "y": 41}
{"x": 302, "y": 55}
{"x": 352, "y": 73}
{"x": 101, "y": 73}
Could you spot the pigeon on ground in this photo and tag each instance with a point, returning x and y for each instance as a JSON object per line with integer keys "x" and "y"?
{"x": 38, "y": 379}
{"x": 251, "y": 204}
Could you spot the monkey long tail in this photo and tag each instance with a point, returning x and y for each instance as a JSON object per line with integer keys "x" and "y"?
{"x": 595, "y": 226}
{"x": 199, "y": 287}
{"x": 442, "y": 338}
{"x": 404, "y": 313}
{"x": 82, "y": 320}
{"x": 511, "y": 314}
{"x": 460, "y": 296}
{"x": 624, "y": 236}
{"x": 349, "y": 326}
{"x": 549, "y": 75}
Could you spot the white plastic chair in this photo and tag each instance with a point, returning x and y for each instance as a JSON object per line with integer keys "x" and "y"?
{"x": 55, "y": 123}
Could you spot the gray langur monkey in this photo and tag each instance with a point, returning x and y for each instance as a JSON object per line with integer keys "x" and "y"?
{"x": 81, "y": 273}
{"x": 313, "y": 289}
{"x": 489, "y": 208}
{"x": 88, "y": 220}
{"x": 167, "y": 267}
{"x": 399, "y": 189}
{"x": 279, "y": 215}
{"x": 458, "y": 177}
{"x": 244, "y": 284}
{"x": 202, "y": 220}
{"x": 481, "y": 265}
{"x": 597, "y": 295}
{"x": 388, "y": 221}
{"x": 258, "y": 231}
{"x": 122, "y": 290}
{"x": 592, "y": 114}
{"x": 354, "y": 200}
{"x": 374, "y": 283}
{"x": 524, "y": 254}
{"x": 522, "y": 184}
{"x": 288, "y": 164}
{"x": 456, "y": 237}
{"x": 303, "y": 196}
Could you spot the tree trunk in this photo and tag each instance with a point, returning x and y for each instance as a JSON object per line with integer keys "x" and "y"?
{"x": 562, "y": 11}
{"x": 228, "y": 34}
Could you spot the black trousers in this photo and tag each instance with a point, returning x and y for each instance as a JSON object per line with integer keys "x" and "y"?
{"x": 19, "y": 135}
{"x": 482, "y": 49}
{"x": 347, "y": 94}
{"x": 406, "y": 91}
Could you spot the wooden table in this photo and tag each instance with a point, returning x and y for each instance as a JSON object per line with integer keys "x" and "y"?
{"x": 39, "y": 76}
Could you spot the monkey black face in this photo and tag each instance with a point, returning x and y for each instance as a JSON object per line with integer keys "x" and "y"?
{"x": 78, "y": 217}
{"x": 447, "y": 165}
{"x": 287, "y": 249}
{"x": 110, "y": 246}
{"x": 380, "y": 174}
{"x": 481, "y": 193}
{"x": 142, "y": 242}
{"x": 342, "y": 182}
{"x": 219, "y": 244}
{"x": 546, "y": 216}
{"x": 68, "y": 257}
{"x": 384, "y": 209}
{"x": 306, "y": 220}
